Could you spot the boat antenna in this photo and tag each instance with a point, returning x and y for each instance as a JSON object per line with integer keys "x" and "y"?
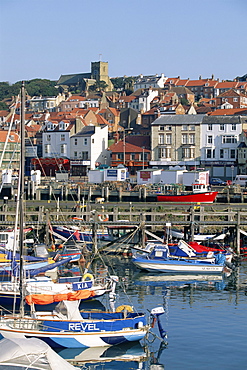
{"x": 21, "y": 208}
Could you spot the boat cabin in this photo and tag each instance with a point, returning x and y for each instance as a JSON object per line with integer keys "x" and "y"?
{"x": 159, "y": 252}
{"x": 199, "y": 188}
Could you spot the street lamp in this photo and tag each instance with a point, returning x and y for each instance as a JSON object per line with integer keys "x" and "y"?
{"x": 232, "y": 168}
{"x": 124, "y": 143}
{"x": 143, "y": 157}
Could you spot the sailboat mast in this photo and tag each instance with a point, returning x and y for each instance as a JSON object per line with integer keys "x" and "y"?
{"x": 21, "y": 174}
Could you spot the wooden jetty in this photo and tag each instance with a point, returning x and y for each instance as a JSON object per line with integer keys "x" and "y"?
{"x": 153, "y": 216}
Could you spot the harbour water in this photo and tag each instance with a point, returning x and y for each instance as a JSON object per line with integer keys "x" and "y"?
{"x": 205, "y": 319}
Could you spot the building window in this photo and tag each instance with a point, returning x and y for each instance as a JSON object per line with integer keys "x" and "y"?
{"x": 235, "y": 100}
{"x": 85, "y": 141}
{"x": 132, "y": 156}
{"x": 168, "y": 138}
{"x": 75, "y": 154}
{"x": 209, "y": 153}
{"x": 191, "y": 138}
{"x": 62, "y": 137}
{"x": 184, "y": 138}
{"x": 232, "y": 154}
{"x": 161, "y": 128}
{"x": 63, "y": 149}
{"x": 76, "y": 141}
{"x": 92, "y": 141}
{"x": 187, "y": 153}
{"x": 229, "y": 139}
{"x": 184, "y": 127}
{"x": 47, "y": 148}
{"x": 165, "y": 153}
{"x": 192, "y": 127}
{"x": 210, "y": 127}
{"x": 222, "y": 127}
{"x": 210, "y": 139}
{"x": 48, "y": 137}
{"x": 168, "y": 128}
{"x": 221, "y": 153}
{"x": 84, "y": 155}
{"x": 120, "y": 156}
{"x": 161, "y": 139}
{"x": 234, "y": 127}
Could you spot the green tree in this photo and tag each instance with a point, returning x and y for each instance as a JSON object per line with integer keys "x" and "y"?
{"x": 3, "y": 106}
{"x": 118, "y": 83}
{"x": 184, "y": 101}
{"x": 98, "y": 86}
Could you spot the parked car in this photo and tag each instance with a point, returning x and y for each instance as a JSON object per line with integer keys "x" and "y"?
{"x": 217, "y": 181}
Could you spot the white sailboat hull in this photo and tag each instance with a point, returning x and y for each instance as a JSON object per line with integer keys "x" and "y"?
{"x": 73, "y": 339}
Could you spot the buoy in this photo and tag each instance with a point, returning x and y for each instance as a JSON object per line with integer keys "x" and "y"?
{"x": 124, "y": 307}
{"x": 87, "y": 276}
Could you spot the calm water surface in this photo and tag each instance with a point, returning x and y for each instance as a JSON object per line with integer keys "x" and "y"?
{"x": 205, "y": 319}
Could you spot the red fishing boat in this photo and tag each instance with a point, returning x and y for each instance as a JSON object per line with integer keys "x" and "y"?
{"x": 199, "y": 194}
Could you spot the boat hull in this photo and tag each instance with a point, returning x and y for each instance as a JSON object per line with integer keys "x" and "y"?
{"x": 78, "y": 236}
{"x": 92, "y": 336}
{"x": 207, "y": 197}
{"x": 178, "y": 266}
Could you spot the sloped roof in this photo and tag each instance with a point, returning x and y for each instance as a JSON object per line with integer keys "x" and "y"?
{"x": 76, "y": 98}
{"x": 101, "y": 120}
{"x": 3, "y": 113}
{"x": 86, "y": 131}
{"x": 179, "y": 119}
{"x": 72, "y": 79}
{"x": 227, "y": 84}
{"x": 13, "y": 136}
{"x": 119, "y": 147}
{"x": 230, "y": 92}
{"x": 127, "y": 99}
{"x": 33, "y": 128}
{"x": 181, "y": 90}
{"x": 173, "y": 80}
{"x": 229, "y": 112}
{"x": 201, "y": 82}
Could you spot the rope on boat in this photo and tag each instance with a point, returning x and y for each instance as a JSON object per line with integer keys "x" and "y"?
{"x": 155, "y": 336}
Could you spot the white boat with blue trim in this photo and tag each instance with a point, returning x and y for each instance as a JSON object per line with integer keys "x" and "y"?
{"x": 159, "y": 259}
{"x": 67, "y": 327}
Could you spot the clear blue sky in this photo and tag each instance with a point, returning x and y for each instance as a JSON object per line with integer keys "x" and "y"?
{"x": 47, "y": 38}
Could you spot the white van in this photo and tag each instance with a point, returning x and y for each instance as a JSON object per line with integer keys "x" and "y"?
{"x": 240, "y": 180}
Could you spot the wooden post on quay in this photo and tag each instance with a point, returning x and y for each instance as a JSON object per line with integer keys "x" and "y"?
{"x": 144, "y": 194}
{"x": 78, "y": 192}
{"x": 89, "y": 194}
{"x": 47, "y": 227}
{"x": 115, "y": 214}
{"x": 238, "y": 233}
{"x": 130, "y": 218}
{"x": 50, "y": 192}
{"x": 140, "y": 194}
{"x": 192, "y": 223}
{"x": 142, "y": 234}
{"x": 107, "y": 194}
{"x": 120, "y": 193}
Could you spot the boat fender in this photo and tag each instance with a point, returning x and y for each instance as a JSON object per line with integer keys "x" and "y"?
{"x": 87, "y": 276}
{"x": 124, "y": 307}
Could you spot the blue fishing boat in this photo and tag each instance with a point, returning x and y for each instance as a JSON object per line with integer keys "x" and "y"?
{"x": 159, "y": 259}
{"x": 67, "y": 327}
{"x": 80, "y": 236}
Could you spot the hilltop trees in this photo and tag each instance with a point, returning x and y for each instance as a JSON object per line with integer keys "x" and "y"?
{"x": 34, "y": 87}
